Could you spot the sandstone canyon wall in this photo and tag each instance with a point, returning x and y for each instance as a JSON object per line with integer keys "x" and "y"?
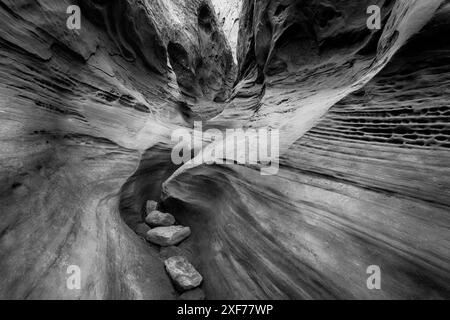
{"x": 364, "y": 118}
{"x": 228, "y": 15}
{"x": 78, "y": 108}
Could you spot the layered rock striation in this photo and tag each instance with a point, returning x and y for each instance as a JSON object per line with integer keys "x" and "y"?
{"x": 78, "y": 110}
{"x": 86, "y": 121}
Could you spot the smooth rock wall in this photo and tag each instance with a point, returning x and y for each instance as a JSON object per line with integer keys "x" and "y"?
{"x": 78, "y": 108}
{"x": 86, "y": 118}
{"x": 367, "y": 185}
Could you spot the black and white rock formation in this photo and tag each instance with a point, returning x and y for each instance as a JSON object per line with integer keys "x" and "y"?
{"x": 168, "y": 236}
{"x": 159, "y": 219}
{"x": 86, "y": 119}
{"x": 183, "y": 274}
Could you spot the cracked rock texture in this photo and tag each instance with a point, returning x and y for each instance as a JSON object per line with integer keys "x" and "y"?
{"x": 86, "y": 119}
{"x": 168, "y": 236}
{"x": 183, "y": 273}
{"x": 159, "y": 219}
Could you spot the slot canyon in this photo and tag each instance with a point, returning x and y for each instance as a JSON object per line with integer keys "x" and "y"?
{"x": 87, "y": 117}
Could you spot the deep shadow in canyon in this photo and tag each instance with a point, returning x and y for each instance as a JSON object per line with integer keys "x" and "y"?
{"x": 364, "y": 120}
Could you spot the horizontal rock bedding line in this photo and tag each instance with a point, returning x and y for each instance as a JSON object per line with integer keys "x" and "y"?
{"x": 87, "y": 116}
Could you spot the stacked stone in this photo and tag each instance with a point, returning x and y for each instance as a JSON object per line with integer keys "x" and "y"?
{"x": 160, "y": 229}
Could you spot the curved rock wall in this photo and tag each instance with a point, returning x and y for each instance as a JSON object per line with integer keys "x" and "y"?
{"x": 77, "y": 110}
{"x": 367, "y": 185}
{"x": 86, "y": 117}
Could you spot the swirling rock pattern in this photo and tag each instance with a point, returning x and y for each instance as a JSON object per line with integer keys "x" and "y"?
{"x": 86, "y": 118}
{"x": 368, "y": 184}
{"x": 77, "y": 110}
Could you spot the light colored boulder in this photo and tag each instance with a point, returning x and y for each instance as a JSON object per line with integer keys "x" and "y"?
{"x": 159, "y": 219}
{"x": 151, "y": 206}
{"x": 183, "y": 274}
{"x": 168, "y": 236}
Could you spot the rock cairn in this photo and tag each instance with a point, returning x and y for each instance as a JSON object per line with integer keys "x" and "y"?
{"x": 160, "y": 229}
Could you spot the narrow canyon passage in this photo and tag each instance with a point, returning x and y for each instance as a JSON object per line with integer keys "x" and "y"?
{"x": 87, "y": 118}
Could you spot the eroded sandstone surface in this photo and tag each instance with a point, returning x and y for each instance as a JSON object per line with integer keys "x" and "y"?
{"x": 228, "y": 15}
{"x": 86, "y": 118}
{"x": 78, "y": 110}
